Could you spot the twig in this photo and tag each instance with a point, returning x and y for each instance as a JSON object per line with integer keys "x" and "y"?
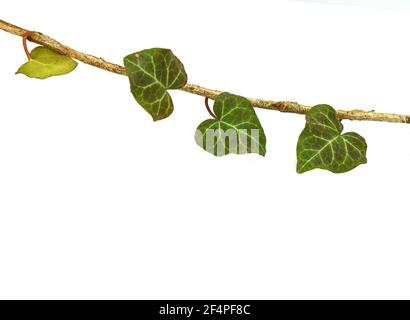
{"x": 282, "y": 106}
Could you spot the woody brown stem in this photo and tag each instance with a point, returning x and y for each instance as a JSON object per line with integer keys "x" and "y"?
{"x": 282, "y": 106}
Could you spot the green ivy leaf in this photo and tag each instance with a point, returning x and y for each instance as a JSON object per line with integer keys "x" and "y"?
{"x": 322, "y": 144}
{"x": 236, "y": 128}
{"x": 151, "y": 73}
{"x": 47, "y": 63}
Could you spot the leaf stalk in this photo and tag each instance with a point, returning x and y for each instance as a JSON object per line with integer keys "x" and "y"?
{"x": 25, "y": 38}
{"x": 208, "y": 108}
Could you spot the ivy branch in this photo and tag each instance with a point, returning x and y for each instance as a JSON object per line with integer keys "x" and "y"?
{"x": 152, "y": 72}
{"x": 283, "y": 106}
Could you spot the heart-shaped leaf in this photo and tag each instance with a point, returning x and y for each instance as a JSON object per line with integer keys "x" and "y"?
{"x": 46, "y": 63}
{"x": 322, "y": 144}
{"x": 152, "y": 72}
{"x": 236, "y": 128}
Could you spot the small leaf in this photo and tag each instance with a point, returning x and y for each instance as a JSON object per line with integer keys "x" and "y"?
{"x": 47, "y": 63}
{"x": 152, "y": 72}
{"x": 322, "y": 144}
{"x": 236, "y": 128}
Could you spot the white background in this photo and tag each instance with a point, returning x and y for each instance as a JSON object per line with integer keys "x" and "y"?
{"x": 390, "y": 4}
{"x": 98, "y": 201}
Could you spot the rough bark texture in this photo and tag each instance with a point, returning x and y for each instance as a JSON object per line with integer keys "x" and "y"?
{"x": 282, "y": 106}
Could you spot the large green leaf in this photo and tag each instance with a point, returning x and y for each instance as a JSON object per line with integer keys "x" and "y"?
{"x": 46, "y": 63}
{"x": 322, "y": 144}
{"x": 236, "y": 128}
{"x": 152, "y": 72}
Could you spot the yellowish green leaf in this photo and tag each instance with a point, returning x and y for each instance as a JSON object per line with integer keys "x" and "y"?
{"x": 46, "y": 63}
